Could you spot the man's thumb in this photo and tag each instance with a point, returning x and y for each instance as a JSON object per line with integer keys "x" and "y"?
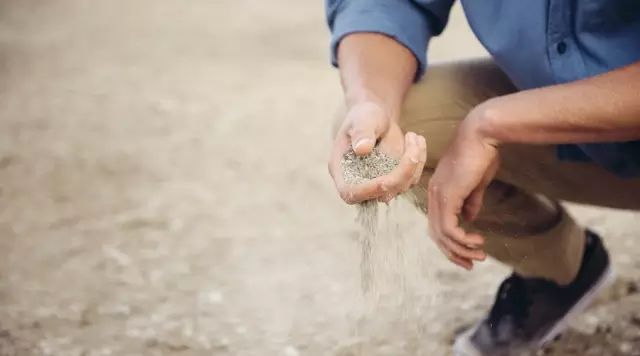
{"x": 365, "y": 125}
{"x": 363, "y": 138}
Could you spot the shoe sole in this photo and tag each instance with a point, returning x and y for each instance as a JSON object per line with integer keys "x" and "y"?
{"x": 604, "y": 282}
{"x": 464, "y": 347}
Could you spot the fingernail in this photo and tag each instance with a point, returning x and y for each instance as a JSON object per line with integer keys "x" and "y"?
{"x": 361, "y": 142}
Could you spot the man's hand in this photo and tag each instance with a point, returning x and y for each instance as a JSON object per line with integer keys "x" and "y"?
{"x": 376, "y": 72}
{"x": 457, "y": 188}
{"x": 603, "y": 108}
{"x": 364, "y": 125}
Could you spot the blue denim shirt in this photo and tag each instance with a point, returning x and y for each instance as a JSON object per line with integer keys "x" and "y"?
{"x": 535, "y": 42}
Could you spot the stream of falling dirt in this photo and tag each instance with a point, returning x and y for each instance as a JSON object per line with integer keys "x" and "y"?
{"x": 392, "y": 265}
{"x": 393, "y": 268}
{"x": 396, "y": 275}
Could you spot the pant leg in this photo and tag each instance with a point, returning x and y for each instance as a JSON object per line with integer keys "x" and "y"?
{"x": 521, "y": 219}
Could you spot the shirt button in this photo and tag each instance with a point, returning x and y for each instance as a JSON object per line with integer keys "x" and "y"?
{"x": 561, "y": 47}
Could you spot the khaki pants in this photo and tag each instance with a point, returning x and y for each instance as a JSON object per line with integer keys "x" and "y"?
{"x": 522, "y": 221}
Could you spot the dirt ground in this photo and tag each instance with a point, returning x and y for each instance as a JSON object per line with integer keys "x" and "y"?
{"x": 163, "y": 191}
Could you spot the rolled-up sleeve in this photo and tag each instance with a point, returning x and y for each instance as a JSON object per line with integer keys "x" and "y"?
{"x": 410, "y": 22}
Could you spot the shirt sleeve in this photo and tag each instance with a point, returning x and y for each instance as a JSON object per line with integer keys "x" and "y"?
{"x": 410, "y": 22}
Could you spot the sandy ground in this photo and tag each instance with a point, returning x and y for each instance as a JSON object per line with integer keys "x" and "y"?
{"x": 163, "y": 191}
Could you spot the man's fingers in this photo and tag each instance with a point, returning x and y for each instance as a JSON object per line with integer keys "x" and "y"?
{"x": 455, "y": 239}
{"x": 363, "y": 145}
{"x": 473, "y": 204}
{"x": 363, "y": 137}
{"x": 475, "y": 240}
{"x": 364, "y": 132}
{"x": 422, "y": 146}
{"x": 460, "y": 248}
{"x": 340, "y": 147}
{"x": 400, "y": 179}
{"x": 350, "y": 193}
{"x": 463, "y": 251}
{"x": 433, "y": 212}
{"x": 409, "y": 169}
{"x": 451, "y": 230}
{"x": 449, "y": 206}
{"x": 460, "y": 261}
{"x": 367, "y": 190}
{"x": 383, "y": 188}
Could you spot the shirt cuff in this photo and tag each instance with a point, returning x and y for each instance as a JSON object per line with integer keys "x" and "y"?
{"x": 400, "y": 20}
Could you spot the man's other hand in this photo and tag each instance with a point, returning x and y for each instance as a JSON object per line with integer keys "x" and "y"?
{"x": 457, "y": 189}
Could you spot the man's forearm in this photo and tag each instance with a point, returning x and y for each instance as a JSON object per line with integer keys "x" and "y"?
{"x": 604, "y": 108}
{"x": 374, "y": 67}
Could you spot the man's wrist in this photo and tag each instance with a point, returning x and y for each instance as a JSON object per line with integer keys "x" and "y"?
{"x": 483, "y": 123}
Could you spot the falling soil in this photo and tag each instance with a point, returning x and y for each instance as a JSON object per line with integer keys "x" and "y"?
{"x": 390, "y": 264}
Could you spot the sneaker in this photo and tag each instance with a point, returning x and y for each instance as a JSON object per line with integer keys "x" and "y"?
{"x": 530, "y": 312}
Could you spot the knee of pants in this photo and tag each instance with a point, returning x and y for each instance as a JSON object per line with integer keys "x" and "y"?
{"x": 509, "y": 210}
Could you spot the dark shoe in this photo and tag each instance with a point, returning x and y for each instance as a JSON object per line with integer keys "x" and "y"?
{"x": 530, "y": 312}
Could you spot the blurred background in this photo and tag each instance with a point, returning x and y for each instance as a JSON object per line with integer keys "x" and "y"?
{"x": 163, "y": 191}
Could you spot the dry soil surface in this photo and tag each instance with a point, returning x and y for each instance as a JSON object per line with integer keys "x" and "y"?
{"x": 163, "y": 191}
